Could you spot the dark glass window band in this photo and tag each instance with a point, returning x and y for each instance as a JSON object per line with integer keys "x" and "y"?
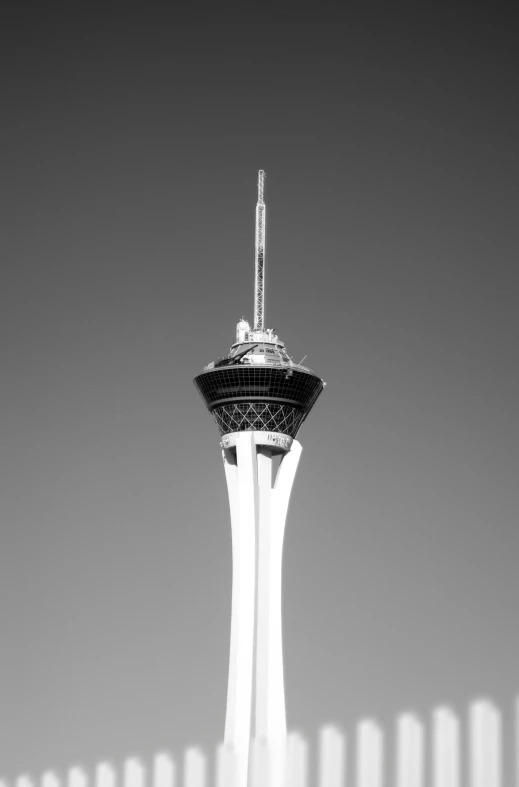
{"x": 267, "y": 383}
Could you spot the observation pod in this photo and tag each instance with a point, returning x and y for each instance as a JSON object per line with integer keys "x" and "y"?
{"x": 259, "y": 399}
{"x": 258, "y": 388}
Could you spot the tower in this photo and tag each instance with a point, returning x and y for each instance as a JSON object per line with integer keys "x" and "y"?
{"x": 259, "y": 399}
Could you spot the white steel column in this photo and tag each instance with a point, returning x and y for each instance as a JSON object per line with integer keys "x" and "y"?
{"x": 265, "y": 569}
{"x": 270, "y": 687}
{"x": 258, "y": 515}
{"x": 241, "y": 475}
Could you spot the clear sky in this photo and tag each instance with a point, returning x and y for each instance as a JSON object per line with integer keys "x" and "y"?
{"x": 130, "y": 144}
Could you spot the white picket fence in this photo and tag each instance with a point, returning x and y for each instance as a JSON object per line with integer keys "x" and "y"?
{"x": 436, "y": 757}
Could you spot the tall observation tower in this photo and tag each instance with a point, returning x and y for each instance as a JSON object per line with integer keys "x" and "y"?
{"x": 259, "y": 399}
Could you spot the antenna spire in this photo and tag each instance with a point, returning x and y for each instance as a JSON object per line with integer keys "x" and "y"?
{"x": 259, "y": 279}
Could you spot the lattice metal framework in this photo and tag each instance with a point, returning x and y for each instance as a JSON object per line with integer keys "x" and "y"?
{"x": 259, "y": 281}
{"x": 258, "y": 416}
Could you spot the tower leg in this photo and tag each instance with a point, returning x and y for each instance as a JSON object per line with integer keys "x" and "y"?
{"x": 241, "y": 475}
{"x": 273, "y": 506}
{"x": 270, "y": 714}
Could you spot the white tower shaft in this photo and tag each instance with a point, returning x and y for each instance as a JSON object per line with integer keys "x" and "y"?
{"x": 258, "y": 514}
{"x": 259, "y": 279}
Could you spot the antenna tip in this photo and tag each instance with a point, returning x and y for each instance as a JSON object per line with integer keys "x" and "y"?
{"x": 261, "y": 178}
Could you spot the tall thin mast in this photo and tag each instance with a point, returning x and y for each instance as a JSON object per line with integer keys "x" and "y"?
{"x": 259, "y": 280}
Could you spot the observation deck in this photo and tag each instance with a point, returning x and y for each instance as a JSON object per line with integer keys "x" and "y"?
{"x": 257, "y": 387}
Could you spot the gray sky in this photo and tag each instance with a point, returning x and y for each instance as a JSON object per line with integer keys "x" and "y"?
{"x": 130, "y": 148}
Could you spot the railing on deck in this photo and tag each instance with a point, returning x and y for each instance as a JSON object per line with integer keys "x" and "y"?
{"x": 435, "y": 755}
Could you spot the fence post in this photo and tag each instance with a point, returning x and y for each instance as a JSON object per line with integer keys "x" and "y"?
{"x": 229, "y": 767}
{"x": 77, "y": 777}
{"x": 133, "y": 773}
{"x": 446, "y": 749}
{"x": 332, "y": 757}
{"x": 297, "y": 760}
{"x": 50, "y": 779}
{"x": 485, "y": 744}
{"x": 516, "y": 741}
{"x": 164, "y": 770}
{"x": 258, "y": 764}
{"x": 104, "y": 775}
{"x": 370, "y": 754}
{"x": 194, "y": 767}
{"x": 410, "y": 751}
{"x": 268, "y": 763}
